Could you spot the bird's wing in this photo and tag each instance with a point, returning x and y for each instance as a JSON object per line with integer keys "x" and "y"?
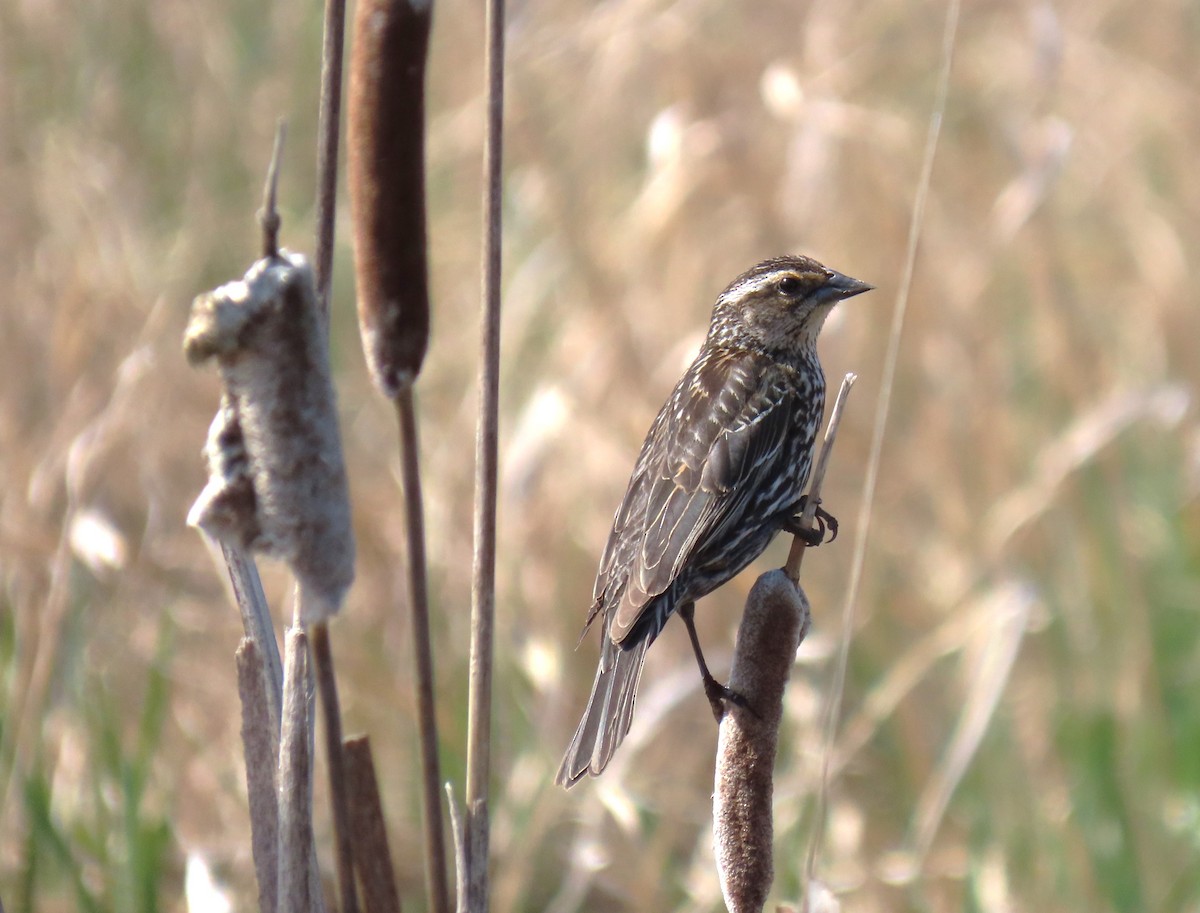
{"x": 630, "y": 517}
{"x": 709, "y": 452}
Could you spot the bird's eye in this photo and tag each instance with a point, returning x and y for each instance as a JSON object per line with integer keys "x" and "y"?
{"x": 790, "y": 285}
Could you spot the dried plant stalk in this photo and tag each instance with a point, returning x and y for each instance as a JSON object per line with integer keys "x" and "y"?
{"x": 299, "y": 887}
{"x": 331, "y": 716}
{"x": 483, "y": 584}
{"x": 329, "y": 119}
{"x": 256, "y": 622}
{"x": 386, "y": 123}
{"x": 260, "y": 749}
{"x": 796, "y": 555}
{"x": 423, "y": 676}
{"x": 458, "y": 835}
{"x": 372, "y": 860}
{"x": 775, "y": 621}
{"x": 277, "y": 483}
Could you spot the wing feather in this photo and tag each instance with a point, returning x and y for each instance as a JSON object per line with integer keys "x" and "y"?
{"x": 696, "y": 477}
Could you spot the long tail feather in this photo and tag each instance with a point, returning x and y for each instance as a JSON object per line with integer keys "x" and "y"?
{"x": 608, "y": 715}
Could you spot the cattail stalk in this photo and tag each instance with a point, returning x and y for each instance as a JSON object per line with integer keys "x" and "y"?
{"x": 372, "y": 859}
{"x": 329, "y": 117}
{"x": 483, "y": 590}
{"x": 796, "y": 555}
{"x": 260, "y": 750}
{"x": 387, "y": 191}
{"x": 298, "y": 883}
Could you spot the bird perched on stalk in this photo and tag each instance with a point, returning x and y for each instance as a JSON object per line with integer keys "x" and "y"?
{"x": 722, "y": 470}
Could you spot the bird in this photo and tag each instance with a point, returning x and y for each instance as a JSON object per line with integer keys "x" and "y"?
{"x": 721, "y": 471}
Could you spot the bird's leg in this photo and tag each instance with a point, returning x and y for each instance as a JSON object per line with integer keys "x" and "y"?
{"x": 716, "y": 693}
{"x": 826, "y": 522}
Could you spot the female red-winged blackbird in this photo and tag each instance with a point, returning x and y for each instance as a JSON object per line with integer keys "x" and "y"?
{"x": 722, "y": 470}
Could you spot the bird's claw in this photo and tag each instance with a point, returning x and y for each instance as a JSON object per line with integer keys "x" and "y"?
{"x": 719, "y": 695}
{"x": 813, "y": 536}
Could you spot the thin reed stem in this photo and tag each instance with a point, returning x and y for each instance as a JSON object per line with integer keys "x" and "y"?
{"x": 256, "y": 617}
{"x": 833, "y": 705}
{"x": 483, "y": 587}
{"x": 268, "y": 216}
{"x": 796, "y": 554}
{"x": 331, "y": 715}
{"x": 418, "y": 589}
{"x": 328, "y": 132}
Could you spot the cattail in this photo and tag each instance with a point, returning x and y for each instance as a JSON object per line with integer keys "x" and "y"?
{"x": 277, "y": 482}
{"x": 776, "y": 619}
{"x": 386, "y": 126}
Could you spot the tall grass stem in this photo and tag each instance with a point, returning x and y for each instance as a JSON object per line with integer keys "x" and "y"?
{"x": 331, "y": 716}
{"x": 832, "y": 710}
{"x": 328, "y": 132}
{"x": 796, "y": 554}
{"x": 483, "y": 589}
{"x": 418, "y": 587}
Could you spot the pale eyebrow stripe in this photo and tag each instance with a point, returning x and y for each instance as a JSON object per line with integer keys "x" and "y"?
{"x": 758, "y": 283}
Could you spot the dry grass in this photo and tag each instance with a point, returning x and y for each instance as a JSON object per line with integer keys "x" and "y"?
{"x": 1021, "y": 728}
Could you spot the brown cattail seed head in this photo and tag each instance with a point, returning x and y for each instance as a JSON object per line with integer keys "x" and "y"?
{"x": 386, "y": 127}
{"x": 775, "y": 621}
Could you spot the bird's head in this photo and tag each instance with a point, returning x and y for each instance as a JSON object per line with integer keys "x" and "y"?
{"x": 780, "y": 304}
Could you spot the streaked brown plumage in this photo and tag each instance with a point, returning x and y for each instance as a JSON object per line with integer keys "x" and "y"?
{"x": 722, "y": 468}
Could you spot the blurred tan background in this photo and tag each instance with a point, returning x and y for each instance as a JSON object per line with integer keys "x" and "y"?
{"x": 1021, "y": 722}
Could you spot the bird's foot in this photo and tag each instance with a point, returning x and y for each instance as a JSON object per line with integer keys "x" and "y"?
{"x": 719, "y": 695}
{"x": 814, "y": 536}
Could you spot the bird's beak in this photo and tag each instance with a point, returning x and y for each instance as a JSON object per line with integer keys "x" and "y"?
{"x": 839, "y": 286}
